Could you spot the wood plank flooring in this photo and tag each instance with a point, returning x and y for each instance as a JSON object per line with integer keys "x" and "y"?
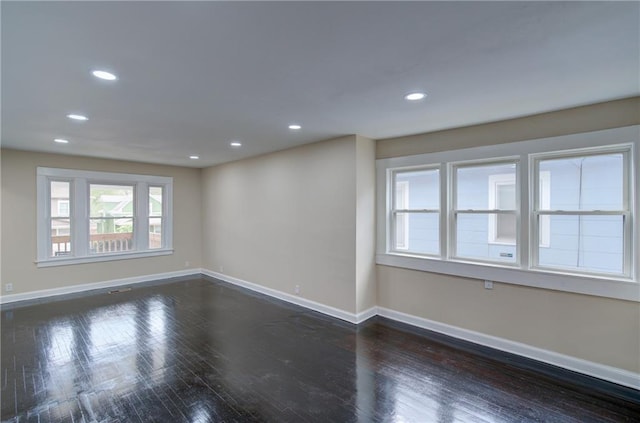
{"x": 202, "y": 351}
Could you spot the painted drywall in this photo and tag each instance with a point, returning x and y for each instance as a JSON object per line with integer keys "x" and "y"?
{"x": 366, "y": 289}
{"x": 601, "y": 330}
{"x": 19, "y": 224}
{"x": 612, "y": 114}
{"x": 597, "y": 329}
{"x": 286, "y": 219}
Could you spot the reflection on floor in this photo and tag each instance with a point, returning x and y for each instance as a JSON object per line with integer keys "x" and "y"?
{"x": 202, "y": 351}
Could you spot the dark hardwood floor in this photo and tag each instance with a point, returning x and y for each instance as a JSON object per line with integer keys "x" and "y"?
{"x": 202, "y": 351}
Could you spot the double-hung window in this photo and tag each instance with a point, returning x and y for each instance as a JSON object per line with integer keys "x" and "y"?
{"x": 588, "y": 215}
{"x": 484, "y": 211}
{"x": 86, "y": 216}
{"x": 416, "y": 211}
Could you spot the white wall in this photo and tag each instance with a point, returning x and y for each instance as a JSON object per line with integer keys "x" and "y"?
{"x": 19, "y": 224}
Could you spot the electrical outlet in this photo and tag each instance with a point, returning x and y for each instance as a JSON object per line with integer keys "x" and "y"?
{"x": 221, "y": 269}
{"x": 488, "y": 284}
{"x": 187, "y": 264}
{"x": 8, "y": 287}
{"x": 297, "y": 290}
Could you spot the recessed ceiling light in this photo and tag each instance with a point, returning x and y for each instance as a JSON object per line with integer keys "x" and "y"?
{"x": 235, "y": 144}
{"x": 104, "y": 75}
{"x": 77, "y": 117}
{"x": 61, "y": 141}
{"x": 194, "y": 157}
{"x": 415, "y": 96}
{"x": 295, "y": 127}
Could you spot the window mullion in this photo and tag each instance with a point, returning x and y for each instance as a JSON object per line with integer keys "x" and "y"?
{"x": 522, "y": 217}
{"x": 79, "y": 213}
{"x": 444, "y": 211}
{"x": 451, "y": 227}
{"x": 141, "y": 216}
{"x": 167, "y": 215}
{"x": 44, "y": 217}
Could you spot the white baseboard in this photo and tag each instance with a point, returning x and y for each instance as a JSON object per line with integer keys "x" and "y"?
{"x": 600, "y": 371}
{"x": 366, "y": 315}
{"x": 294, "y": 299}
{"x": 44, "y": 293}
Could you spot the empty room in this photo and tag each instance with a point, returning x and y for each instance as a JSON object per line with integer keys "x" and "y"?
{"x": 320, "y": 211}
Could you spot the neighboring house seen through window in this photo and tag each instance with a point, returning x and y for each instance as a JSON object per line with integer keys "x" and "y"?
{"x": 561, "y": 206}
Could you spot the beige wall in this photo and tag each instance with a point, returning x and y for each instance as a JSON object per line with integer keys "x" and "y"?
{"x": 19, "y": 223}
{"x": 597, "y": 329}
{"x": 286, "y": 219}
{"x": 601, "y": 330}
{"x": 366, "y": 292}
{"x": 612, "y": 114}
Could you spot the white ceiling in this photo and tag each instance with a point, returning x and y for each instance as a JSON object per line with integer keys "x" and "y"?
{"x": 195, "y": 76}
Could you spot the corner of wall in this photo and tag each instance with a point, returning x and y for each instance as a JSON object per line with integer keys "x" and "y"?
{"x": 365, "y": 269}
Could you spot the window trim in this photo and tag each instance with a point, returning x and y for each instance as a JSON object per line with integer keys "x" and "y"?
{"x": 79, "y": 214}
{"x": 627, "y": 288}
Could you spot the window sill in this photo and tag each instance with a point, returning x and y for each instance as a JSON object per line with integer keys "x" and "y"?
{"x": 618, "y": 288}
{"x": 65, "y": 261}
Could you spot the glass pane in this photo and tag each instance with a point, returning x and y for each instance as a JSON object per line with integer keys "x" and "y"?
{"x": 60, "y": 198}
{"x": 585, "y": 243}
{"x": 155, "y": 201}
{"x": 60, "y": 237}
{"x": 418, "y": 233}
{"x": 111, "y": 200}
{"x": 506, "y": 196}
{"x": 505, "y": 228}
{"x": 419, "y": 189}
{"x": 473, "y": 235}
{"x": 155, "y": 232}
{"x": 584, "y": 183}
{"x": 486, "y": 187}
{"x": 110, "y": 235}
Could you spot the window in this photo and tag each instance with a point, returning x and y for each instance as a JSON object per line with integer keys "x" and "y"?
{"x": 401, "y": 218}
{"x": 95, "y": 216}
{"x": 63, "y": 207}
{"x": 416, "y": 212}
{"x": 484, "y": 212}
{"x": 554, "y": 213}
{"x": 588, "y": 215}
{"x": 60, "y": 219}
{"x": 111, "y": 218}
{"x": 155, "y": 217}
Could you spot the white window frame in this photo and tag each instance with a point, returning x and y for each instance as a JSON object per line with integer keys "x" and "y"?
{"x": 80, "y": 180}
{"x": 625, "y": 287}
